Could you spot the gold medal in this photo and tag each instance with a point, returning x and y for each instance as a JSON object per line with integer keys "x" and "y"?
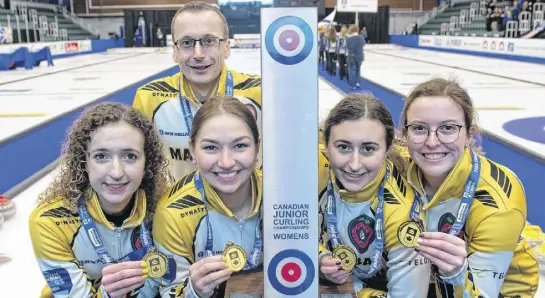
{"x": 157, "y": 263}
{"x": 235, "y": 257}
{"x": 408, "y": 233}
{"x": 347, "y": 256}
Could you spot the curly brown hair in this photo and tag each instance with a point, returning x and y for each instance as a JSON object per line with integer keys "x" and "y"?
{"x": 72, "y": 179}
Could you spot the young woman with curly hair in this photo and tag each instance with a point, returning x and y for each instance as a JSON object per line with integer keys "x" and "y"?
{"x": 91, "y": 228}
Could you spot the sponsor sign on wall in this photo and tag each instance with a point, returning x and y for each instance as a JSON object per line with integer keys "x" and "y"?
{"x": 57, "y": 47}
{"x": 508, "y": 46}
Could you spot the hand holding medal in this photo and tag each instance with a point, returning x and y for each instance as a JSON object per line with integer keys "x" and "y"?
{"x": 338, "y": 268}
{"x": 445, "y": 251}
{"x": 235, "y": 257}
{"x": 157, "y": 263}
{"x": 118, "y": 279}
{"x": 346, "y": 255}
{"x": 332, "y": 270}
{"x": 207, "y": 273}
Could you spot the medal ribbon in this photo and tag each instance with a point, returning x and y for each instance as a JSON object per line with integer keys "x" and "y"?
{"x": 467, "y": 197}
{"x": 253, "y": 258}
{"x": 98, "y": 244}
{"x": 184, "y": 101}
{"x": 332, "y": 221}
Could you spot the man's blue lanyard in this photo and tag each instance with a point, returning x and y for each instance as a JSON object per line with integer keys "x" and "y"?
{"x": 253, "y": 258}
{"x": 332, "y": 221}
{"x": 184, "y": 102}
{"x": 467, "y": 197}
{"x": 98, "y": 244}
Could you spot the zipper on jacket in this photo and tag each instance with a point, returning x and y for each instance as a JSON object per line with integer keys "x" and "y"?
{"x": 119, "y": 247}
{"x": 241, "y": 231}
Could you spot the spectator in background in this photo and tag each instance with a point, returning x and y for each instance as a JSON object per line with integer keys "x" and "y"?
{"x": 341, "y": 52}
{"x": 525, "y": 6}
{"x": 415, "y": 28}
{"x": 354, "y": 56}
{"x": 322, "y": 42}
{"x": 530, "y": 5}
{"x": 331, "y": 48}
{"x": 489, "y": 19}
{"x": 515, "y": 10}
{"x": 507, "y": 16}
{"x": 496, "y": 19}
{"x": 500, "y": 19}
{"x": 363, "y": 33}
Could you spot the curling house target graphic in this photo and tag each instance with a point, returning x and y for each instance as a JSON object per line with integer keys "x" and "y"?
{"x": 289, "y": 40}
{"x": 291, "y": 272}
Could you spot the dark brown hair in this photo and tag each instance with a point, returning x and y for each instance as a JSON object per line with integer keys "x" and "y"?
{"x": 355, "y": 106}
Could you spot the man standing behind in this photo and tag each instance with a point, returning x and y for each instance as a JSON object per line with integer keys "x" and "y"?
{"x": 201, "y": 46}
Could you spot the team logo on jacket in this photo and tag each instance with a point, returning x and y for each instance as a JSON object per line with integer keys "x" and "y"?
{"x": 446, "y": 222}
{"x": 136, "y": 241}
{"x": 361, "y": 231}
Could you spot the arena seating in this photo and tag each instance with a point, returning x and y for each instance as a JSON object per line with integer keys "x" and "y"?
{"x": 496, "y": 18}
{"x": 53, "y": 23}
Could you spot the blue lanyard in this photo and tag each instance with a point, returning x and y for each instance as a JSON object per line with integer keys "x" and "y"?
{"x": 98, "y": 245}
{"x": 467, "y": 197}
{"x": 332, "y": 221}
{"x": 184, "y": 102}
{"x": 253, "y": 258}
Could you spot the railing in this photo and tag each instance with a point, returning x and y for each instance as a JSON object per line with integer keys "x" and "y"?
{"x": 74, "y": 19}
{"x": 403, "y": 20}
{"x": 454, "y": 2}
{"x": 431, "y": 15}
{"x": 15, "y": 4}
{"x": 26, "y": 16}
{"x": 28, "y": 23}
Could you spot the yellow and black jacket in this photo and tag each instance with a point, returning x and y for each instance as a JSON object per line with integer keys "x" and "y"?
{"x": 160, "y": 102}
{"x": 404, "y": 268}
{"x": 183, "y": 233}
{"x": 500, "y": 261}
{"x": 66, "y": 256}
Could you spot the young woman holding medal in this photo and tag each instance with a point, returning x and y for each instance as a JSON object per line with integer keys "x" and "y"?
{"x": 365, "y": 202}
{"x": 474, "y": 209}
{"x": 215, "y": 205}
{"x": 91, "y": 230}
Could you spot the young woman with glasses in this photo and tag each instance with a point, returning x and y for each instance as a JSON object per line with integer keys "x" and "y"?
{"x": 473, "y": 208}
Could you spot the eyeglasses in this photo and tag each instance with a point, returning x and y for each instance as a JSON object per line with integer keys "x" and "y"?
{"x": 206, "y": 42}
{"x": 446, "y": 133}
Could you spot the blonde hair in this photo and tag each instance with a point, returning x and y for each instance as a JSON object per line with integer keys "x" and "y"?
{"x": 353, "y": 29}
{"x": 332, "y": 34}
{"x": 344, "y": 31}
{"x": 199, "y": 6}
{"x": 72, "y": 179}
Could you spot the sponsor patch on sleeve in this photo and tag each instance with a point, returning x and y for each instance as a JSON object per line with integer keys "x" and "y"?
{"x": 58, "y": 281}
